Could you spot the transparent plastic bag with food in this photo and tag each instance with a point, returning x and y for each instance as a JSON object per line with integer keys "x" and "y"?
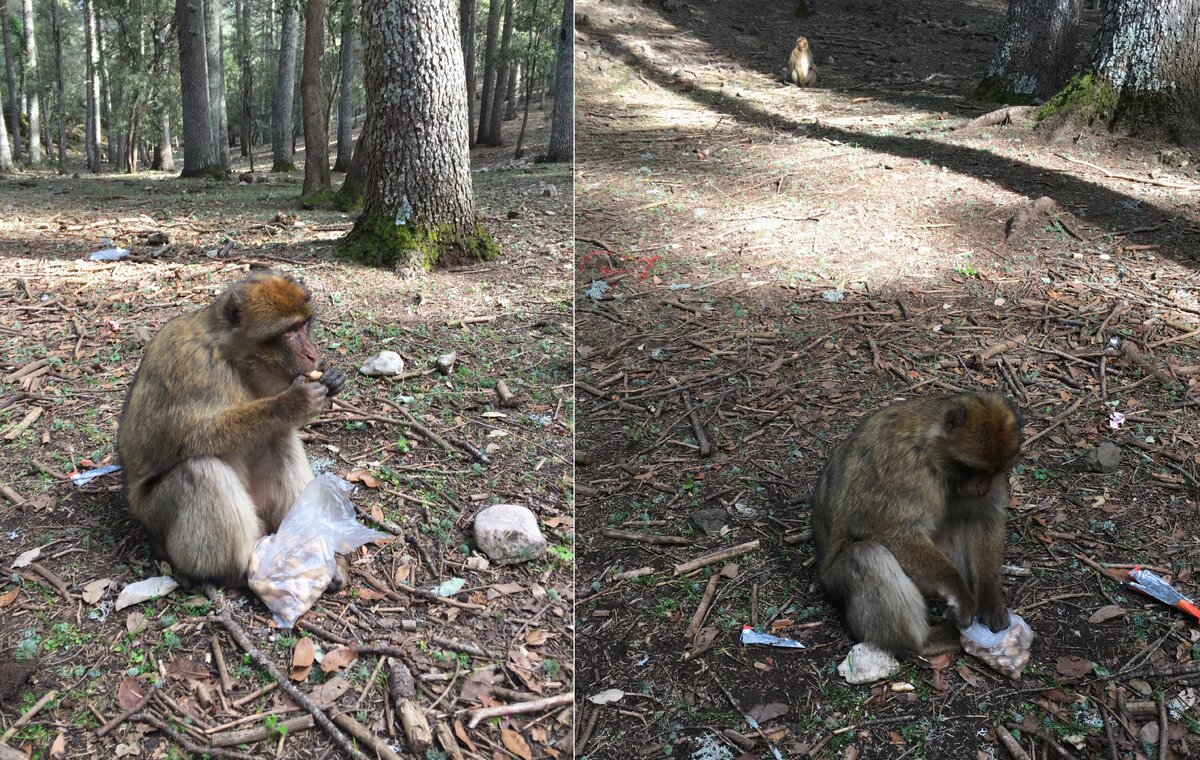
{"x": 291, "y": 568}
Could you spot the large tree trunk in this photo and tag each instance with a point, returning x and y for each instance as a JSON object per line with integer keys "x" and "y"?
{"x": 6, "y": 159}
{"x": 14, "y": 108}
{"x": 418, "y": 203}
{"x": 199, "y": 158}
{"x": 285, "y": 84}
{"x": 466, "y": 21}
{"x": 247, "y": 70}
{"x": 1036, "y": 51}
{"x": 312, "y": 103}
{"x": 215, "y": 53}
{"x": 1149, "y": 54}
{"x": 32, "y": 85}
{"x": 491, "y": 42}
{"x": 92, "y": 85}
{"x": 496, "y": 112}
{"x": 345, "y": 117}
{"x": 164, "y": 157}
{"x": 58, "y": 86}
{"x": 562, "y": 128}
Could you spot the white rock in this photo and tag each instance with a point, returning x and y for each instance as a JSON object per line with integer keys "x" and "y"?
{"x": 866, "y": 664}
{"x": 384, "y": 364}
{"x": 508, "y": 534}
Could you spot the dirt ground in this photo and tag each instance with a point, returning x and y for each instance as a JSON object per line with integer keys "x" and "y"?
{"x": 71, "y": 335}
{"x": 759, "y": 267}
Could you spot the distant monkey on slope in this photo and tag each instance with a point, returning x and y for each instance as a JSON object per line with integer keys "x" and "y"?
{"x": 801, "y": 69}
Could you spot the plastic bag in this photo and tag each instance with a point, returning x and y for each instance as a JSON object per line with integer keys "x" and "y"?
{"x": 290, "y": 569}
{"x": 1005, "y": 651}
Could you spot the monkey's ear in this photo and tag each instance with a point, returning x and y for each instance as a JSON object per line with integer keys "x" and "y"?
{"x": 956, "y": 416}
{"x": 231, "y": 307}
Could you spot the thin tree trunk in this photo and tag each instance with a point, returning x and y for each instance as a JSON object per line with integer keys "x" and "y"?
{"x": 58, "y": 85}
{"x": 466, "y": 23}
{"x": 106, "y": 110}
{"x": 1036, "y": 51}
{"x": 199, "y": 157}
{"x": 312, "y": 100}
{"x": 510, "y": 97}
{"x": 32, "y": 85}
{"x": 164, "y": 158}
{"x": 285, "y": 83}
{"x": 419, "y": 200}
{"x": 92, "y": 85}
{"x": 531, "y": 55}
{"x": 350, "y": 194}
{"x": 562, "y": 127}
{"x": 14, "y": 107}
{"x": 247, "y": 127}
{"x": 345, "y": 118}
{"x": 489, "y": 69}
{"x": 6, "y": 159}
{"x": 215, "y": 53}
{"x": 496, "y": 114}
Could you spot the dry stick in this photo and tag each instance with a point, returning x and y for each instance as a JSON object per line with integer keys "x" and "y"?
{"x": 1131, "y": 352}
{"x": 253, "y": 735}
{"x": 1060, "y": 419}
{"x": 724, "y": 554}
{"x": 1163, "y": 736}
{"x": 264, "y": 662}
{"x": 1142, "y": 180}
{"x": 364, "y": 735}
{"x": 187, "y": 744}
{"x": 697, "y": 428}
{"x": 706, "y": 601}
{"x": 1010, "y": 743}
{"x": 1112, "y": 315}
{"x": 1045, "y": 736}
{"x": 645, "y": 538}
{"x": 533, "y": 705}
{"x": 10, "y": 494}
{"x": 219, "y": 658}
{"x": 588, "y": 727}
{"x": 28, "y": 716}
{"x": 1108, "y": 733}
{"x": 996, "y": 349}
{"x": 52, "y": 579}
{"x": 458, "y": 646}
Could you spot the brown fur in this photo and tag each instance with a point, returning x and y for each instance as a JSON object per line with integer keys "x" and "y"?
{"x": 912, "y": 505}
{"x": 209, "y": 432}
{"x": 802, "y": 71}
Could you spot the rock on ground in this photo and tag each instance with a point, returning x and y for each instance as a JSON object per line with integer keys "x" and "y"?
{"x": 383, "y": 364}
{"x": 508, "y": 534}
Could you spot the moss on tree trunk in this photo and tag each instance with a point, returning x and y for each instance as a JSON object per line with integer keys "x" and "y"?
{"x": 381, "y": 242}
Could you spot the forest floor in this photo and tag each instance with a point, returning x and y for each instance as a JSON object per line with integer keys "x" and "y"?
{"x": 71, "y": 335}
{"x": 759, "y": 267}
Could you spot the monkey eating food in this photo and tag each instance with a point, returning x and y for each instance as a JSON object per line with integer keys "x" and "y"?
{"x": 209, "y": 434}
{"x": 911, "y": 506}
{"x": 801, "y": 69}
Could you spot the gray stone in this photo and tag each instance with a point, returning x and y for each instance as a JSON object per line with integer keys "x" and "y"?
{"x": 1104, "y": 458}
{"x": 710, "y": 520}
{"x": 508, "y": 534}
{"x": 384, "y": 364}
{"x": 866, "y": 664}
{"x": 444, "y": 364}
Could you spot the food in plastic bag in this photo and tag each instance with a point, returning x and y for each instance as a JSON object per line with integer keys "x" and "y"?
{"x": 1005, "y": 651}
{"x": 290, "y": 569}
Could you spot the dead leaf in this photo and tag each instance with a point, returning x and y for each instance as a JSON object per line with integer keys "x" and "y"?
{"x": 144, "y": 591}
{"x": 338, "y": 659}
{"x": 303, "y": 656}
{"x": 58, "y": 749}
{"x": 461, "y": 732}
{"x": 187, "y": 669}
{"x": 1106, "y": 613}
{"x": 763, "y": 713}
{"x": 1073, "y": 666}
{"x": 509, "y": 588}
{"x": 135, "y": 623}
{"x": 27, "y": 557}
{"x": 130, "y": 692}
{"x": 377, "y": 513}
{"x": 606, "y": 697}
{"x": 7, "y": 597}
{"x": 968, "y": 674}
{"x": 402, "y": 574}
{"x": 537, "y": 637}
{"x": 360, "y": 475}
{"x": 515, "y": 743}
{"x": 329, "y": 692}
{"x": 94, "y": 591}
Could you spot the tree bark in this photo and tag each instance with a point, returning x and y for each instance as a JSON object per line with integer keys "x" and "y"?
{"x": 1035, "y": 54}
{"x": 562, "y": 128}
{"x": 1149, "y": 54}
{"x": 58, "y": 86}
{"x": 14, "y": 107}
{"x": 312, "y": 102}
{"x": 164, "y": 157}
{"x": 246, "y": 131}
{"x": 466, "y": 12}
{"x": 491, "y": 42}
{"x": 199, "y": 157}
{"x": 510, "y": 97}
{"x": 6, "y": 159}
{"x": 33, "y": 85}
{"x": 418, "y": 201}
{"x": 215, "y": 53}
{"x": 106, "y": 110}
{"x": 496, "y": 114}
{"x": 285, "y": 84}
{"x": 345, "y": 114}
{"x": 92, "y": 85}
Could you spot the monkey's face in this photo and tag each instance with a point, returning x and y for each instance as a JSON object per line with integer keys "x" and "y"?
{"x": 802, "y": 43}
{"x": 268, "y": 318}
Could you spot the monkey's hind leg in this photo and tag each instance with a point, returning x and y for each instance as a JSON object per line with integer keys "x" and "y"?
{"x": 214, "y": 527}
{"x": 883, "y": 606}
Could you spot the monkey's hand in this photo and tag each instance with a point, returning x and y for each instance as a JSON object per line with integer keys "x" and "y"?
{"x": 333, "y": 380}
{"x": 964, "y": 610}
{"x": 307, "y": 397}
{"x": 993, "y": 613}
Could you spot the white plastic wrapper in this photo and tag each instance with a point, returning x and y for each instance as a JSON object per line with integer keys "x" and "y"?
{"x": 1005, "y": 651}
{"x": 289, "y": 570}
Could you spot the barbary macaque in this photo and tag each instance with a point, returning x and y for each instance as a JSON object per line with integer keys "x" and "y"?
{"x": 911, "y": 506}
{"x": 801, "y": 69}
{"x": 209, "y": 432}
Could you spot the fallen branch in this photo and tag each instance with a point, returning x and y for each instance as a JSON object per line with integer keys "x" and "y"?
{"x": 645, "y": 538}
{"x": 534, "y": 705}
{"x": 1129, "y": 178}
{"x": 724, "y": 554}
{"x": 29, "y": 715}
{"x": 259, "y": 733}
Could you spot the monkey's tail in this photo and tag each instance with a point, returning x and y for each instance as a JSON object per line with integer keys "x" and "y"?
{"x": 883, "y": 606}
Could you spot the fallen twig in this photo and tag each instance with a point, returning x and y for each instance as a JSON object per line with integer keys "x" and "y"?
{"x": 724, "y": 554}
{"x": 533, "y": 705}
